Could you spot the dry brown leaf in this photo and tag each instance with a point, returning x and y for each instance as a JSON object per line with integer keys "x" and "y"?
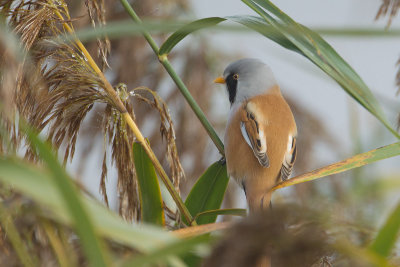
{"x": 201, "y": 229}
{"x": 166, "y": 129}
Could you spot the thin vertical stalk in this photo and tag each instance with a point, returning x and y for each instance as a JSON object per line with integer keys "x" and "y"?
{"x": 178, "y": 81}
{"x": 197, "y": 110}
{"x": 13, "y": 236}
{"x": 136, "y": 19}
{"x": 64, "y": 258}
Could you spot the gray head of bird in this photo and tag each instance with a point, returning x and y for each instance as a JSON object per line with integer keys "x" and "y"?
{"x": 246, "y": 78}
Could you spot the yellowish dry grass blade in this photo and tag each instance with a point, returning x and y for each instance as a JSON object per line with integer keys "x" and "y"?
{"x": 201, "y": 229}
{"x": 7, "y": 225}
{"x": 345, "y": 165}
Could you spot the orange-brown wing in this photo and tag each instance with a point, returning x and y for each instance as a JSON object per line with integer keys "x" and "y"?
{"x": 254, "y": 135}
{"x": 289, "y": 158}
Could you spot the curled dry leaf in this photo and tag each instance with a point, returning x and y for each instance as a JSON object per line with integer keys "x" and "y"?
{"x": 166, "y": 129}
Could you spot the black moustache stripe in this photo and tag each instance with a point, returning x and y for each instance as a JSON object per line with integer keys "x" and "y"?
{"x": 231, "y": 84}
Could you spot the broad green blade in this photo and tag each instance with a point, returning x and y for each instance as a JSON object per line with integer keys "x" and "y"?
{"x": 316, "y": 49}
{"x": 233, "y": 212}
{"x": 92, "y": 245}
{"x": 356, "y": 161}
{"x": 252, "y": 22}
{"x": 388, "y": 234}
{"x": 208, "y": 192}
{"x": 151, "y": 204}
{"x": 259, "y": 25}
{"x": 38, "y": 184}
{"x": 177, "y": 36}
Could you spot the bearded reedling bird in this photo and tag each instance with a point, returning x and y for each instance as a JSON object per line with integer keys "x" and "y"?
{"x": 260, "y": 137}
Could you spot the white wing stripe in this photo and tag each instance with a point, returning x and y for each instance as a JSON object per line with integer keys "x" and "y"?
{"x": 245, "y": 134}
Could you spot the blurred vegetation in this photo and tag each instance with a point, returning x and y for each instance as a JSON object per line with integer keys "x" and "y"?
{"x": 68, "y": 108}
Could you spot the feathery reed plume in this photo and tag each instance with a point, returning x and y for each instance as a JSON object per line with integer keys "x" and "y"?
{"x": 121, "y": 141}
{"x": 388, "y": 8}
{"x": 63, "y": 88}
{"x": 29, "y": 24}
{"x": 73, "y": 89}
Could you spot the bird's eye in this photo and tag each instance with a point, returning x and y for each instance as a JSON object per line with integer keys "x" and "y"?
{"x": 235, "y": 76}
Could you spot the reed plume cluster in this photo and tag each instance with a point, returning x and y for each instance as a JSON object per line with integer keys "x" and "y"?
{"x": 50, "y": 83}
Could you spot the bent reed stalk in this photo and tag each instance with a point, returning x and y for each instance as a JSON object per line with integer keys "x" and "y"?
{"x": 132, "y": 125}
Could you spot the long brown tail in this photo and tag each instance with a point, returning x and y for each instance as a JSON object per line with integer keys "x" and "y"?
{"x": 259, "y": 203}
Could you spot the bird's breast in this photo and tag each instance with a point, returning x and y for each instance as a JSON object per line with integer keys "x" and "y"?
{"x": 242, "y": 164}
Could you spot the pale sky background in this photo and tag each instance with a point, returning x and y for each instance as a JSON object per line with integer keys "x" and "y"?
{"x": 374, "y": 59}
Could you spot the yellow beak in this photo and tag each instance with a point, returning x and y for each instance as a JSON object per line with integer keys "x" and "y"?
{"x": 220, "y": 80}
